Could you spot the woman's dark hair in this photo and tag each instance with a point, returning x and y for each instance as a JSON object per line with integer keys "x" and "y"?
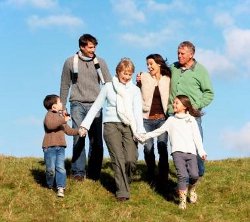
{"x": 49, "y": 101}
{"x": 85, "y": 38}
{"x": 187, "y": 103}
{"x": 165, "y": 70}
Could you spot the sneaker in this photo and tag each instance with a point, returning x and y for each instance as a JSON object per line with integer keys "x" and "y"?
{"x": 122, "y": 199}
{"x": 192, "y": 195}
{"x": 60, "y": 192}
{"x": 78, "y": 178}
{"x": 183, "y": 199}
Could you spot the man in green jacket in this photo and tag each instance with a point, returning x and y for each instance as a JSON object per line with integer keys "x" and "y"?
{"x": 190, "y": 78}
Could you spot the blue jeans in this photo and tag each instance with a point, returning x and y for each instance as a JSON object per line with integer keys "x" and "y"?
{"x": 95, "y": 156}
{"x": 149, "y": 155}
{"x": 55, "y": 170}
{"x": 201, "y": 165}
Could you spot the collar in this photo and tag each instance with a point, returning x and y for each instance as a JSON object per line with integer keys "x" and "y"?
{"x": 183, "y": 69}
{"x": 85, "y": 58}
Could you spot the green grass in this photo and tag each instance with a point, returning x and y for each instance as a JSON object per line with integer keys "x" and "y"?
{"x": 224, "y": 195}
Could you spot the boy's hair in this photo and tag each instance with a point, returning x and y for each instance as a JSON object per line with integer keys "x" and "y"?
{"x": 85, "y": 38}
{"x": 50, "y": 100}
{"x": 125, "y": 64}
{"x": 187, "y": 103}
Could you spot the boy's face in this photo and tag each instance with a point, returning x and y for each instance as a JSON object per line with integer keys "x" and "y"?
{"x": 57, "y": 106}
{"x": 125, "y": 76}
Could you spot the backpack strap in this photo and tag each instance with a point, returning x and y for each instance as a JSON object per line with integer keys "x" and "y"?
{"x": 98, "y": 70}
{"x": 75, "y": 69}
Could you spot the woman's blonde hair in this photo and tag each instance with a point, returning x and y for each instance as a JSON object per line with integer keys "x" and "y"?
{"x": 126, "y": 65}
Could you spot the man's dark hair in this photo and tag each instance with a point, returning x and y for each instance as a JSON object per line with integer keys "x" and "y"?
{"x": 50, "y": 100}
{"x": 85, "y": 38}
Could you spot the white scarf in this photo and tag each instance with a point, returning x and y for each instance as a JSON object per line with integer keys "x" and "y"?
{"x": 87, "y": 59}
{"x": 124, "y": 105}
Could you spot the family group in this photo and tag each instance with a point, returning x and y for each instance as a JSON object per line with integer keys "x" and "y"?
{"x": 165, "y": 103}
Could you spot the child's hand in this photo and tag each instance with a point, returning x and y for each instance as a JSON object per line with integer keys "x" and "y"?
{"x": 67, "y": 118}
{"x": 204, "y": 157}
{"x": 140, "y": 137}
{"x": 82, "y": 132}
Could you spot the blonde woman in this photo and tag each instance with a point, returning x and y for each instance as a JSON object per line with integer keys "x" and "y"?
{"x": 122, "y": 121}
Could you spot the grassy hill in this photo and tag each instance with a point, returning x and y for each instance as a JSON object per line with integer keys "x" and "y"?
{"x": 224, "y": 195}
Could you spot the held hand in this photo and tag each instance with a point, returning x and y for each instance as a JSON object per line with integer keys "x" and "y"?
{"x": 67, "y": 118}
{"x": 204, "y": 157}
{"x": 138, "y": 77}
{"x": 65, "y": 113}
{"x": 140, "y": 138}
{"x": 82, "y": 132}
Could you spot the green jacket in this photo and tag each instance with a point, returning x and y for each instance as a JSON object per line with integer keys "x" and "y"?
{"x": 194, "y": 83}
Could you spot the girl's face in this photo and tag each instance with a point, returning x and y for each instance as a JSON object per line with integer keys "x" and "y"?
{"x": 153, "y": 67}
{"x": 125, "y": 76}
{"x": 58, "y": 106}
{"x": 178, "y": 106}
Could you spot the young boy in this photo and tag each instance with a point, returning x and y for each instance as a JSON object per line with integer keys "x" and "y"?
{"x": 54, "y": 144}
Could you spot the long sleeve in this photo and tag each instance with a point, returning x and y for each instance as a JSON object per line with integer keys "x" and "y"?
{"x": 207, "y": 91}
{"x": 157, "y": 132}
{"x": 105, "y": 71}
{"x": 65, "y": 82}
{"x": 53, "y": 121}
{"x": 97, "y": 105}
{"x": 70, "y": 131}
{"x": 197, "y": 139}
{"x": 137, "y": 109}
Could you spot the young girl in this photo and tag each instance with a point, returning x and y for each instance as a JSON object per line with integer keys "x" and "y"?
{"x": 122, "y": 120}
{"x": 185, "y": 141}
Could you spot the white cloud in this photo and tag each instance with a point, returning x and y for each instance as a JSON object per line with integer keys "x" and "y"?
{"x": 235, "y": 54}
{"x": 224, "y": 20}
{"x": 54, "y": 20}
{"x": 243, "y": 7}
{"x": 128, "y": 11}
{"x": 238, "y": 139}
{"x": 34, "y": 3}
{"x": 30, "y": 120}
{"x": 215, "y": 62}
{"x": 238, "y": 46}
{"x": 155, "y": 6}
{"x": 150, "y": 39}
{"x": 176, "y": 5}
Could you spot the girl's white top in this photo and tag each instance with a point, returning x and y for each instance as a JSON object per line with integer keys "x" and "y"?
{"x": 183, "y": 134}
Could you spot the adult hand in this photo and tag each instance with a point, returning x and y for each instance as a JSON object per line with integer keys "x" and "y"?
{"x": 138, "y": 78}
{"x": 82, "y": 132}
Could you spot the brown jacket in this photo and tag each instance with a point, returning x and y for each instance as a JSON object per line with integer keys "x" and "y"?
{"x": 55, "y": 128}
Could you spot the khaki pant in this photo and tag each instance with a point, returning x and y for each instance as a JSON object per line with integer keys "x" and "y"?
{"x": 123, "y": 154}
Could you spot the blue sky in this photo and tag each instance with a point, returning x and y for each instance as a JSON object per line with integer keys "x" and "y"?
{"x": 38, "y": 35}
